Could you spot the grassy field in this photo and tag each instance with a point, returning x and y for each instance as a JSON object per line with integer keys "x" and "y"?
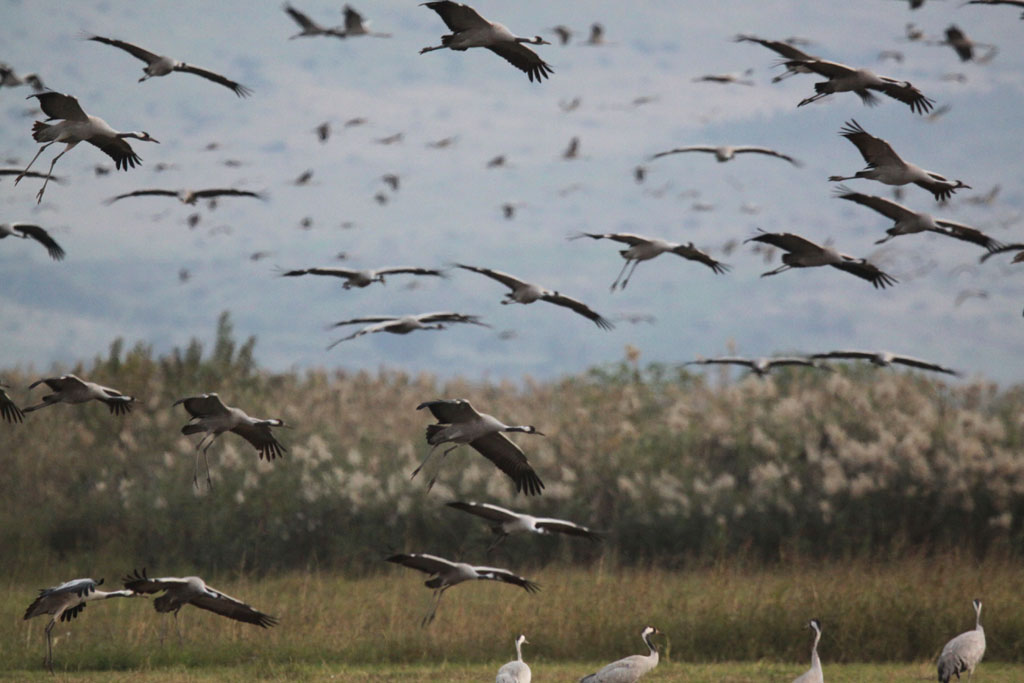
{"x": 368, "y": 629}
{"x": 542, "y": 671}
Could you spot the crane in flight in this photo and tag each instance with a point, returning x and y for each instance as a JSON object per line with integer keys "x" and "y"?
{"x": 212, "y": 417}
{"x": 725, "y": 153}
{"x": 523, "y": 292}
{"x": 26, "y": 231}
{"x": 157, "y": 65}
{"x": 65, "y": 602}
{"x": 192, "y": 590}
{"x": 907, "y": 222}
{"x": 73, "y": 389}
{"x": 803, "y": 253}
{"x": 505, "y": 522}
{"x": 886, "y": 166}
{"x": 188, "y": 196}
{"x": 363, "y": 277}
{"x": 356, "y": 25}
{"x": 404, "y": 324}
{"x": 884, "y": 359}
{"x": 76, "y": 126}
{"x": 759, "y": 366}
{"x": 469, "y": 29}
{"x": 309, "y": 27}
{"x": 459, "y": 423}
{"x": 445, "y": 574}
{"x": 642, "y": 248}
{"x": 843, "y": 78}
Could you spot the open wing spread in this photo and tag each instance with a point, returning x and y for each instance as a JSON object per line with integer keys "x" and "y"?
{"x": 40, "y": 235}
{"x": 579, "y": 307}
{"x": 866, "y": 271}
{"x": 430, "y": 564}
{"x": 260, "y": 436}
{"x": 508, "y": 458}
{"x": 204, "y": 405}
{"x": 450, "y": 411}
{"x": 490, "y": 512}
{"x": 60, "y": 106}
{"x": 497, "y": 574}
{"x": 457, "y": 16}
{"x": 230, "y": 607}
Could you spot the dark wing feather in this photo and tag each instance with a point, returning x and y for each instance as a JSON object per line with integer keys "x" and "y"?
{"x": 884, "y": 206}
{"x": 624, "y": 237}
{"x": 784, "y": 49}
{"x": 524, "y": 59}
{"x": 1002, "y": 249}
{"x": 140, "y": 583}
{"x": 9, "y": 409}
{"x": 923, "y": 364}
{"x": 202, "y": 406}
{"x": 225, "y": 192}
{"x": 230, "y": 607}
{"x": 907, "y": 94}
{"x": 238, "y": 88}
{"x": 118, "y": 150}
{"x": 874, "y": 150}
{"x": 867, "y": 271}
{"x": 335, "y": 272}
{"x": 134, "y": 50}
{"x": 450, "y": 411}
{"x": 430, "y": 564}
{"x": 786, "y": 241}
{"x": 504, "y": 278}
{"x": 60, "y": 106}
{"x": 508, "y": 458}
{"x": 300, "y": 18}
{"x": 579, "y": 307}
{"x": 688, "y": 251}
{"x": 143, "y": 193}
{"x": 43, "y": 237}
{"x": 410, "y": 271}
{"x": 260, "y": 436}
{"x": 457, "y": 16}
{"x": 496, "y": 574}
{"x": 968, "y": 234}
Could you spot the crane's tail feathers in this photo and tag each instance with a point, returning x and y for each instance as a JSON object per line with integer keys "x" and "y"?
{"x": 192, "y": 429}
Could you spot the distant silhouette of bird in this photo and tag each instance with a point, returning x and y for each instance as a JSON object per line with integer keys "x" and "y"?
{"x": 157, "y": 65}
{"x": 404, "y": 324}
{"x": 884, "y": 359}
{"x": 727, "y": 153}
{"x": 309, "y": 27}
{"x": 188, "y": 196}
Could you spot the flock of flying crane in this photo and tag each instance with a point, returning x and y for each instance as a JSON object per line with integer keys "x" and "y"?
{"x": 458, "y": 422}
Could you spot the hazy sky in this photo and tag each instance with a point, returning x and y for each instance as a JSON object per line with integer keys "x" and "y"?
{"x": 121, "y": 274}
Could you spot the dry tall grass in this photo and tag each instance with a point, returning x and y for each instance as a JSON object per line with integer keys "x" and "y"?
{"x": 678, "y": 470}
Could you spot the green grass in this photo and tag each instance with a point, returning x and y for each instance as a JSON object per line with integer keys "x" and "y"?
{"x": 368, "y": 629}
{"x": 729, "y": 672}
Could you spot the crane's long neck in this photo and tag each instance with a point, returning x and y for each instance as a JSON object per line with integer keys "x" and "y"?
{"x": 527, "y": 429}
{"x": 815, "y": 660}
{"x": 651, "y": 646}
{"x": 519, "y": 648}
{"x": 977, "y": 619}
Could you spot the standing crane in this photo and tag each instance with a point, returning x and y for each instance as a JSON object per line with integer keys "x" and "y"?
{"x": 814, "y": 674}
{"x": 404, "y": 324}
{"x": 526, "y": 293}
{"x": 74, "y": 127}
{"x": 884, "y": 359}
{"x": 209, "y": 415}
{"x": 459, "y": 423}
{"x": 964, "y": 652}
{"x": 645, "y": 248}
{"x": 26, "y": 231}
{"x": 192, "y": 590}
{"x": 9, "y": 410}
{"x": 158, "y": 65}
{"x": 469, "y": 29}
{"x": 907, "y": 222}
{"x": 843, "y": 78}
{"x": 516, "y": 671}
{"x": 885, "y": 166}
{"x": 803, "y": 253}
{"x": 73, "y": 389}
{"x": 505, "y": 522}
{"x": 364, "y": 277}
{"x": 628, "y": 669}
{"x": 445, "y": 574}
{"x": 65, "y": 602}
